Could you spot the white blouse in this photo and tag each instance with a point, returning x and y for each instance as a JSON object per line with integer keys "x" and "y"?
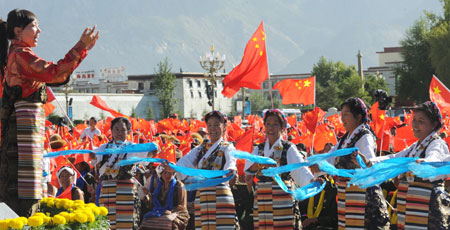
{"x": 301, "y": 176}
{"x": 189, "y": 159}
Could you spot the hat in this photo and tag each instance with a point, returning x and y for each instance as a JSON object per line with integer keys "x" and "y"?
{"x": 66, "y": 168}
{"x": 202, "y": 131}
{"x": 198, "y": 137}
{"x": 178, "y": 154}
{"x": 56, "y": 141}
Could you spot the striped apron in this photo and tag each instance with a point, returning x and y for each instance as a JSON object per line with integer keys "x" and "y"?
{"x": 351, "y": 206}
{"x": 273, "y": 208}
{"x": 30, "y": 132}
{"x": 420, "y": 205}
{"x": 118, "y": 196}
{"x": 214, "y": 208}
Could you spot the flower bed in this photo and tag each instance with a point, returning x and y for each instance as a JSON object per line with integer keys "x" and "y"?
{"x": 61, "y": 214}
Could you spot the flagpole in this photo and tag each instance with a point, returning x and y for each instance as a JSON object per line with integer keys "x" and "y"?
{"x": 64, "y": 112}
{"x": 382, "y": 136}
{"x": 268, "y": 72}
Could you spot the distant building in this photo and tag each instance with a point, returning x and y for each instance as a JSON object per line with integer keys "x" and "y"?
{"x": 105, "y": 80}
{"x": 190, "y": 93}
{"x": 388, "y": 60}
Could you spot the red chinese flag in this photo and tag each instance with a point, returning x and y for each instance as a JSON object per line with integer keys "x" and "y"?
{"x": 48, "y": 108}
{"x": 313, "y": 117}
{"x": 292, "y": 120}
{"x": 252, "y": 70}
{"x": 245, "y": 142}
{"x": 379, "y": 120}
{"x": 50, "y": 95}
{"x": 440, "y": 95}
{"x": 295, "y": 91}
{"x": 237, "y": 120}
{"x": 99, "y": 103}
{"x": 167, "y": 152}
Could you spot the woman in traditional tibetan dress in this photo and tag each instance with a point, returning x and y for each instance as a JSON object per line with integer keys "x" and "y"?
{"x": 214, "y": 206}
{"x": 167, "y": 202}
{"x": 274, "y": 208}
{"x": 24, "y": 76}
{"x": 421, "y": 203}
{"x": 118, "y": 187}
{"x": 358, "y": 208}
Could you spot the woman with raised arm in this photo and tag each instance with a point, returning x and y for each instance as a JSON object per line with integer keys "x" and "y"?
{"x": 274, "y": 208}
{"x": 421, "y": 203}
{"x": 214, "y": 206}
{"x": 24, "y": 77}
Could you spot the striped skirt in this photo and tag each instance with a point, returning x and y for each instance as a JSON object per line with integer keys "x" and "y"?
{"x": 422, "y": 205}
{"x": 30, "y": 132}
{"x": 214, "y": 208}
{"x": 273, "y": 208}
{"x": 119, "y": 197}
{"x": 351, "y": 206}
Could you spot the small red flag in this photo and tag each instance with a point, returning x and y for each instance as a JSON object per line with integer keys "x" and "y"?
{"x": 245, "y": 141}
{"x": 312, "y": 118}
{"x": 440, "y": 95}
{"x": 48, "y": 108}
{"x": 99, "y": 103}
{"x": 50, "y": 95}
{"x": 295, "y": 91}
{"x": 252, "y": 70}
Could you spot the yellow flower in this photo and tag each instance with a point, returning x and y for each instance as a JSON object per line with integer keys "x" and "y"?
{"x": 71, "y": 217}
{"x": 51, "y": 203}
{"x": 103, "y": 211}
{"x": 16, "y": 224}
{"x": 23, "y": 219}
{"x": 67, "y": 204}
{"x": 96, "y": 211}
{"x": 90, "y": 217}
{"x": 80, "y": 217}
{"x": 4, "y": 224}
{"x": 58, "y": 219}
{"x": 35, "y": 221}
{"x": 44, "y": 217}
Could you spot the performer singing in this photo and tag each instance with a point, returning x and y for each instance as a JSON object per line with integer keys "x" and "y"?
{"x": 214, "y": 206}
{"x": 274, "y": 208}
{"x": 24, "y": 79}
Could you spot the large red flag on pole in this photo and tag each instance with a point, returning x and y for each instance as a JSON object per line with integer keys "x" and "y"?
{"x": 440, "y": 95}
{"x": 252, "y": 70}
{"x": 295, "y": 91}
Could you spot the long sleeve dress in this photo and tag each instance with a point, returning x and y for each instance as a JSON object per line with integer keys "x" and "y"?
{"x": 421, "y": 203}
{"x": 274, "y": 208}
{"x": 23, "y": 121}
{"x": 214, "y": 206}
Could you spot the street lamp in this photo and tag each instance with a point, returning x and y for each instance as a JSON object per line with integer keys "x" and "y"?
{"x": 212, "y": 63}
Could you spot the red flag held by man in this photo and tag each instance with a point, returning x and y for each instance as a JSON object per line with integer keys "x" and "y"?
{"x": 440, "y": 95}
{"x": 295, "y": 91}
{"x": 252, "y": 70}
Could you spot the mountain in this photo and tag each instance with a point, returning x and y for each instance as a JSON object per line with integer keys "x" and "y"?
{"x": 138, "y": 34}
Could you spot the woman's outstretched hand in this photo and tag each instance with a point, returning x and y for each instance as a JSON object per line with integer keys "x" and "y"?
{"x": 89, "y": 37}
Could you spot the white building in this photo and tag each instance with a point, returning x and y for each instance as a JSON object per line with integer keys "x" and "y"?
{"x": 190, "y": 94}
{"x": 106, "y": 80}
{"x": 388, "y": 60}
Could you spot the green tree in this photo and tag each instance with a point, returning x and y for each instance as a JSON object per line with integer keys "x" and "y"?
{"x": 439, "y": 43}
{"x": 150, "y": 115}
{"x": 164, "y": 82}
{"x": 258, "y": 102}
{"x": 373, "y": 83}
{"x": 335, "y": 82}
{"x": 415, "y": 75}
{"x": 133, "y": 112}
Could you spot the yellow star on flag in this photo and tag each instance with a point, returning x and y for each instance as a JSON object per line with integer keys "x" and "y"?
{"x": 382, "y": 116}
{"x": 256, "y": 46}
{"x": 255, "y": 39}
{"x": 436, "y": 90}
{"x": 307, "y": 83}
{"x": 260, "y": 53}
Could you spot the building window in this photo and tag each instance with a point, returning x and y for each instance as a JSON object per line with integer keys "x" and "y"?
{"x": 199, "y": 83}
{"x": 199, "y": 94}
{"x": 192, "y": 94}
{"x": 215, "y": 94}
{"x": 190, "y": 83}
{"x": 265, "y": 85}
{"x": 141, "y": 86}
{"x": 151, "y": 85}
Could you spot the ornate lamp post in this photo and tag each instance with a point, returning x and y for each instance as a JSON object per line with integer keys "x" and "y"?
{"x": 212, "y": 62}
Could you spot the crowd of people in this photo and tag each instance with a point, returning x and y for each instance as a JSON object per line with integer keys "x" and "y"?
{"x": 148, "y": 195}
